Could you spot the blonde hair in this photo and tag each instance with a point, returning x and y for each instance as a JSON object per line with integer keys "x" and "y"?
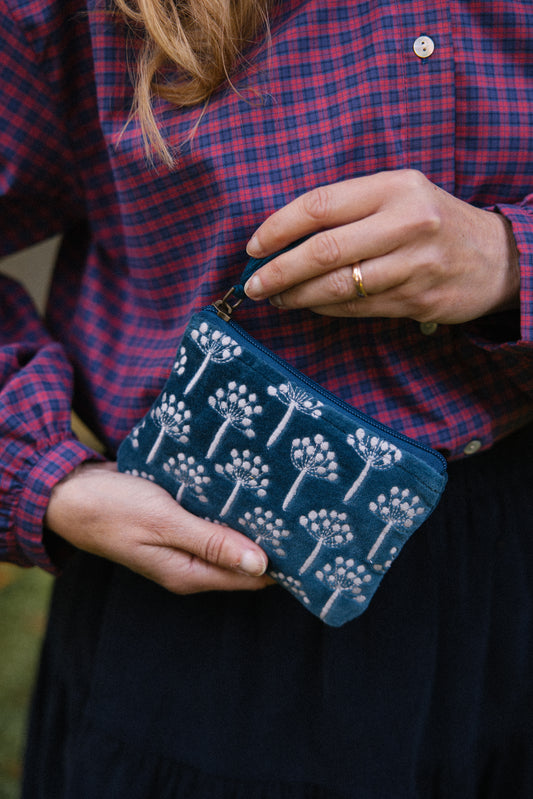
{"x": 189, "y": 48}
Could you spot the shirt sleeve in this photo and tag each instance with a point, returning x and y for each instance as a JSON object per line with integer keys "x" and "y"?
{"x": 39, "y": 192}
{"x": 521, "y": 218}
{"x": 504, "y": 341}
{"x": 38, "y": 197}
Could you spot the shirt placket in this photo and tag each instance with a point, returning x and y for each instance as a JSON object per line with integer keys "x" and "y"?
{"x": 427, "y": 72}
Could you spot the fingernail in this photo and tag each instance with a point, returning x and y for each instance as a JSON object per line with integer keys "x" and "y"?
{"x": 253, "y": 564}
{"x": 253, "y": 247}
{"x": 253, "y": 287}
{"x": 276, "y": 301}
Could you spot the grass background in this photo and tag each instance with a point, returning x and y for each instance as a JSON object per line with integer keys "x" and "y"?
{"x": 24, "y": 596}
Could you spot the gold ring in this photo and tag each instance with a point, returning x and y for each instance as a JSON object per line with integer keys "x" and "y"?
{"x": 358, "y": 280}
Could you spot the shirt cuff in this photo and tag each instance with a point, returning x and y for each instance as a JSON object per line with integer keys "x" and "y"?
{"x": 521, "y": 219}
{"x": 29, "y": 510}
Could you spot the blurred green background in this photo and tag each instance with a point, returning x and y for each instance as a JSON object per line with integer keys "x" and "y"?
{"x": 24, "y": 596}
{"x": 24, "y": 593}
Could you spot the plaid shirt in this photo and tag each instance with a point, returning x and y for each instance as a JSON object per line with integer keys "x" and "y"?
{"x": 339, "y": 93}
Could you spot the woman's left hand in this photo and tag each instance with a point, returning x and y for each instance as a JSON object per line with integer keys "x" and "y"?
{"x": 422, "y": 253}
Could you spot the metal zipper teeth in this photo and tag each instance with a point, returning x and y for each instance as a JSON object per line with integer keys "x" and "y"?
{"x": 318, "y": 389}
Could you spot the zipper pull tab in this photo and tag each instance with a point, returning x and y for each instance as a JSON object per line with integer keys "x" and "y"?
{"x": 224, "y": 307}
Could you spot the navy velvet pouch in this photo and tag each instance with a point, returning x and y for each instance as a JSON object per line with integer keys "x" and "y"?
{"x": 239, "y": 437}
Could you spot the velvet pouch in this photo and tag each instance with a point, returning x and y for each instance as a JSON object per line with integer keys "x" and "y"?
{"x": 240, "y": 437}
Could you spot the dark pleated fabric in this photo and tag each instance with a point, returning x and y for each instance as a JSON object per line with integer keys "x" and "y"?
{"x": 145, "y": 695}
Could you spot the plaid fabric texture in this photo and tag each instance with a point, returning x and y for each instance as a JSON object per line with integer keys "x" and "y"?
{"x": 339, "y": 93}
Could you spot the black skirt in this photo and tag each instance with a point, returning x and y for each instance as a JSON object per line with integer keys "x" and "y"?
{"x": 146, "y": 695}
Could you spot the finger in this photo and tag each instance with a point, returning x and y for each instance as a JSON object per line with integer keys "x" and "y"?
{"x": 324, "y": 207}
{"x": 183, "y": 573}
{"x": 160, "y": 520}
{"x": 328, "y": 250}
{"x": 217, "y": 545}
{"x": 387, "y": 304}
{"x": 340, "y": 286}
{"x": 356, "y": 309}
{"x": 405, "y": 299}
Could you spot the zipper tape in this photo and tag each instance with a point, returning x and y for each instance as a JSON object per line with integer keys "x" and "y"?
{"x": 428, "y": 454}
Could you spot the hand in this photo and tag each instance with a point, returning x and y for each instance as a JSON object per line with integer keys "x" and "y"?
{"x": 134, "y": 522}
{"x": 423, "y": 253}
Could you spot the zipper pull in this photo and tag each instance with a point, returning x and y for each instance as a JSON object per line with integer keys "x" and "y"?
{"x": 224, "y": 307}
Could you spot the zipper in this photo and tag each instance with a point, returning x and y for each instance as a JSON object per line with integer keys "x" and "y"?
{"x": 318, "y": 389}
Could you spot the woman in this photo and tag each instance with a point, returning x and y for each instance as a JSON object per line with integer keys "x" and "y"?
{"x": 399, "y": 137}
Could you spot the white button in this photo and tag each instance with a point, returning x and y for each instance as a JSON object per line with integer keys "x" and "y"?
{"x": 428, "y": 328}
{"x": 423, "y": 46}
{"x": 472, "y": 446}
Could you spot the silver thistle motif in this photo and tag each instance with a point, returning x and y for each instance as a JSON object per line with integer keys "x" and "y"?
{"x": 295, "y": 399}
{"x": 190, "y": 474}
{"x": 134, "y": 435}
{"x": 266, "y": 529}
{"x": 144, "y": 475}
{"x": 311, "y": 457}
{"x": 171, "y": 417}
{"x": 328, "y": 528}
{"x": 236, "y": 408}
{"x": 398, "y": 510}
{"x": 216, "y": 346}
{"x": 376, "y": 452}
{"x": 179, "y": 364}
{"x": 343, "y": 578}
{"x": 246, "y": 471}
{"x": 383, "y": 567}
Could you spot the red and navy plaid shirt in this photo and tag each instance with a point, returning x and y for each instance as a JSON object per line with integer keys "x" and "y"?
{"x": 339, "y": 93}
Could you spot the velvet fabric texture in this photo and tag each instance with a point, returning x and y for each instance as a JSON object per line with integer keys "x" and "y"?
{"x": 239, "y": 437}
{"x": 144, "y": 694}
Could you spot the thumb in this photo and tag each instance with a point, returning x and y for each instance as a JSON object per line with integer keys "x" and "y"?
{"x": 222, "y": 547}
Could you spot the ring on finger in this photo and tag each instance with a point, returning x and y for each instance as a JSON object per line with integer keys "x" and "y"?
{"x": 358, "y": 280}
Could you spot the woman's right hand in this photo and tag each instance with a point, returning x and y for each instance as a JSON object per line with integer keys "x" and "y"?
{"x": 136, "y": 523}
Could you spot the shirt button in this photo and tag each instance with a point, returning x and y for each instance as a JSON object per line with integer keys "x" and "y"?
{"x": 423, "y": 46}
{"x": 472, "y": 446}
{"x": 428, "y": 328}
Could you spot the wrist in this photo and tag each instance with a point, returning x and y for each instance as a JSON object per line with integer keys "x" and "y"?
{"x": 67, "y": 503}
{"x": 509, "y": 258}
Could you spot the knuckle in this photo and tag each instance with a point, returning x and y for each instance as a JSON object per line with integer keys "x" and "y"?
{"x": 325, "y": 249}
{"x": 276, "y": 278}
{"x": 426, "y": 217}
{"x": 317, "y": 203}
{"x": 412, "y": 179}
{"x": 406, "y": 294}
{"x": 214, "y": 548}
{"x": 435, "y": 270}
{"x": 272, "y": 277}
{"x": 429, "y": 221}
{"x": 417, "y": 305}
{"x": 424, "y": 221}
{"x": 337, "y": 286}
{"x": 431, "y": 266}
